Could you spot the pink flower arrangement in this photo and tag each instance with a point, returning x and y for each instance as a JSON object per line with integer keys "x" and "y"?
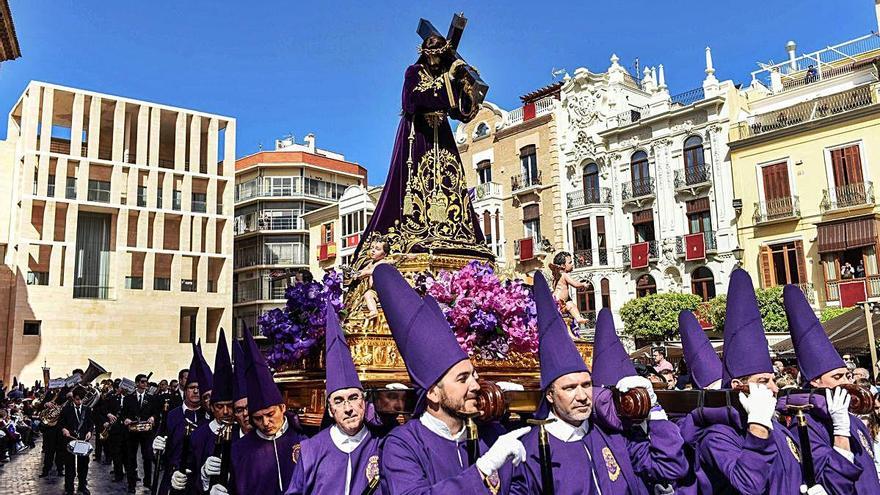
{"x": 490, "y": 318}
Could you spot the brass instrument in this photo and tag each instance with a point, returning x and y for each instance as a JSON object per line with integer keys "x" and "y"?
{"x": 51, "y": 413}
{"x": 140, "y": 427}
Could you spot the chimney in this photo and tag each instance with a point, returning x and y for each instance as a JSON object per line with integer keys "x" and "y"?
{"x": 790, "y": 48}
{"x": 309, "y": 142}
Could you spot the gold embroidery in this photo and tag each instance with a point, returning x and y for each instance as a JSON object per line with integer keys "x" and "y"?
{"x": 493, "y": 482}
{"x": 794, "y": 448}
{"x": 427, "y": 82}
{"x": 611, "y": 464}
{"x": 372, "y": 470}
{"x": 865, "y": 444}
{"x": 295, "y": 453}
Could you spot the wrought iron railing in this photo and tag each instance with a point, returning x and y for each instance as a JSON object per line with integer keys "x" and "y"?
{"x": 653, "y": 251}
{"x": 872, "y": 286}
{"x": 785, "y": 208}
{"x": 709, "y": 236}
{"x": 523, "y": 181}
{"x": 639, "y": 188}
{"x": 691, "y": 176}
{"x": 583, "y": 258}
{"x": 487, "y": 190}
{"x": 589, "y": 196}
{"x": 688, "y": 97}
{"x": 848, "y": 195}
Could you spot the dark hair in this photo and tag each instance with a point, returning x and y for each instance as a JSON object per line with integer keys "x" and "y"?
{"x": 559, "y": 258}
{"x": 79, "y": 393}
{"x": 307, "y": 276}
{"x": 661, "y": 350}
{"x": 432, "y": 42}
{"x": 138, "y": 378}
{"x": 181, "y": 373}
{"x": 386, "y": 246}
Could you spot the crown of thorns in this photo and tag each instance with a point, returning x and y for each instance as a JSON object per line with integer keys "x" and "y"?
{"x": 435, "y": 51}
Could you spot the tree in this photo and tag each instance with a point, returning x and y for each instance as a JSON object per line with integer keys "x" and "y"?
{"x": 656, "y": 315}
{"x": 831, "y": 312}
{"x": 769, "y": 304}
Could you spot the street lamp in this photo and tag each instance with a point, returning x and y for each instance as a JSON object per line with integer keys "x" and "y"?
{"x": 738, "y": 255}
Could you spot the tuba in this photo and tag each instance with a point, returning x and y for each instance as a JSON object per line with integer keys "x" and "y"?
{"x": 93, "y": 371}
{"x": 51, "y": 413}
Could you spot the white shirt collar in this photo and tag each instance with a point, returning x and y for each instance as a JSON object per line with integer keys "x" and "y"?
{"x": 344, "y": 442}
{"x": 214, "y": 425}
{"x": 440, "y": 429}
{"x": 565, "y": 431}
{"x": 273, "y": 437}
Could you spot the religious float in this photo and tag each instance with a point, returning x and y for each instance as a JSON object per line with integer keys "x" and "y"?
{"x": 425, "y": 225}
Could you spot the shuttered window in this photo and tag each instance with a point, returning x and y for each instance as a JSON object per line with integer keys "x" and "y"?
{"x": 531, "y": 212}
{"x": 783, "y": 263}
{"x": 776, "y": 181}
{"x": 847, "y": 165}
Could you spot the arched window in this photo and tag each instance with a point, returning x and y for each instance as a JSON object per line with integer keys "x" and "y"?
{"x": 645, "y": 285}
{"x": 482, "y": 130}
{"x": 586, "y": 299}
{"x": 703, "y": 283}
{"x": 605, "y": 285}
{"x": 591, "y": 183}
{"x": 694, "y": 164}
{"x": 641, "y": 175}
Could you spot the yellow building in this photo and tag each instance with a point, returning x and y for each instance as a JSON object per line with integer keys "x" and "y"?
{"x": 804, "y": 142}
{"x": 116, "y": 239}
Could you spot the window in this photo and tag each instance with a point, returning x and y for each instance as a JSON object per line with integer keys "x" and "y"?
{"x": 38, "y": 278}
{"x": 51, "y": 191}
{"x": 591, "y": 184}
{"x": 639, "y": 169}
{"x": 580, "y": 230}
{"x": 136, "y": 283}
{"x": 175, "y": 201}
{"x": 600, "y": 240}
{"x": 484, "y": 172}
{"x": 783, "y": 263}
{"x": 352, "y": 223}
{"x": 643, "y": 225}
{"x": 99, "y": 191}
{"x": 32, "y": 327}
{"x": 161, "y": 283}
{"x": 528, "y": 160}
{"x": 645, "y": 286}
{"x": 699, "y": 215}
{"x": 199, "y": 202}
{"x": 70, "y": 189}
{"x": 159, "y": 198}
{"x": 481, "y": 131}
{"x": 586, "y": 299}
{"x": 280, "y": 186}
{"x": 847, "y": 166}
{"x": 775, "y": 179}
{"x": 142, "y": 196}
{"x": 606, "y": 293}
{"x": 703, "y": 283}
{"x": 532, "y": 223}
{"x": 694, "y": 164}
{"x": 187, "y": 285}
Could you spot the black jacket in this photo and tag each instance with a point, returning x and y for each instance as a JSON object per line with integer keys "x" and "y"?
{"x": 77, "y": 426}
{"x": 134, "y": 411}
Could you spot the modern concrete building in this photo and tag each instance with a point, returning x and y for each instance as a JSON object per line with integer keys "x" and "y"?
{"x": 115, "y": 233}
{"x": 273, "y": 190}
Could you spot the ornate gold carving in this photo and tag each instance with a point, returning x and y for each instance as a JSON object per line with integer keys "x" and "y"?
{"x": 427, "y": 82}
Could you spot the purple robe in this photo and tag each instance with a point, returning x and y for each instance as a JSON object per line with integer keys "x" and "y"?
{"x": 621, "y": 464}
{"x": 175, "y": 426}
{"x": 321, "y": 466}
{"x": 695, "y": 481}
{"x": 416, "y": 461}
{"x": 254, "y": 467}
{"x": 415, "y": 212}
{"x": 202, "y": 445}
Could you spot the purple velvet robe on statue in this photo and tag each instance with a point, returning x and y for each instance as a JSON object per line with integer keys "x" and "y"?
{"x": 174, "y": 444}
{"x": 425, "y": 205}
{"x": 622, "y": 465}
{"x": 416, "y": 461}
{"x": 321, "y": 466}
{"x": 254, "y": 469}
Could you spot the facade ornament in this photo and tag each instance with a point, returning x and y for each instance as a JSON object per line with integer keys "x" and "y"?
{"x": 685, "y": 126}
{"x": 583, "y": 108}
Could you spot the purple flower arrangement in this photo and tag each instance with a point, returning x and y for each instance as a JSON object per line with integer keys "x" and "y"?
{"x": 296, "y": 331}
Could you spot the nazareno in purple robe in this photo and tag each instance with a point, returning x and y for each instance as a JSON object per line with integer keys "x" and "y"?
{"x": 425, "y": 206}
{"x": 737, "y": 462}
{"x": 321, "y": 466}
{"x": 622, "y": 464}
{"x": 174, "y": 445}
{"x": 254, "y": 467}
{"x": 417, "y": 461}
{"x": 201, "y": 447}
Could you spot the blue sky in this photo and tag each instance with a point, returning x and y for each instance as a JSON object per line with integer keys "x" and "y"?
{"x": 335, "y": 68}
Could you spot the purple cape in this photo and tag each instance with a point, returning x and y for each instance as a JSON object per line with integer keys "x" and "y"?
{"x": 254, "y": 468}
{"x": 321, "y": 466}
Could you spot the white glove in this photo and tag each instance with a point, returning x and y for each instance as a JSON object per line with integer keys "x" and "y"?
{"x": 664, "y": 489}
{"x": 759, "y": 405}
{"x": 630, "y": 382}
{"x": 814, "y": 490}
{"x": 396, "y": 386}
{"x": 506, "y": 447}
{"x": 508, "y": 386}
{"x": 219, "y": 490}
{"x": 211, "y": 467}
{"x": 178, "y": 481}
{"x": 838, "y": 407}
{"x": 159, "y": 443}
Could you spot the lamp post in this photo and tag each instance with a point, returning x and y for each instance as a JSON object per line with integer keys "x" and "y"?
{"x": 872, "y": 343}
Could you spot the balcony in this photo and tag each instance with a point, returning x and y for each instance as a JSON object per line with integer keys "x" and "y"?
{"x": 692, "y": 179}
{"x": 326, "y": 251}
{"x": 848, "y": 196}
{"x": 250, "y": 223}
{"x": 688, "y": 97}
{"x": 91, "y": 292}
{"x": 653, "y": 252}
{"x": 528, "y": 249}
{"x": 585, "y": 258}
{"x": 272, "y": 254}
{"x": 263, "y": 187}
{"x": 711, "y": 243}
{"x": 188, "y": 285}
{"x": 351, "y": 240}
{"x": 777, "y": 210}
{"x": 872, "y": 287}
{"x": 530, "y": 111}
{"x": 628, "y": 117}
{"x": 487, "y": 190}
{"x": 808, "y": 111}
{"x": 638, "y": 190}
{"x": 523, "y": 182}
{"x": 590, "y": 196}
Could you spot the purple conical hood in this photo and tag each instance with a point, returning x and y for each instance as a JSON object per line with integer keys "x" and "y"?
{"x": 702, "y": 361}
{"x": 556, "y": 351}
{"x": 261, "y": 388}
{"x": 223, "y": 378}
{"x": 610, "y": 360}
{"x": 745, "y": 345}
{"x": 195, "y": 367}
{"x": 422, "y": 334}
{"x": 239, "y": 386}
{"x": 340, "y": 368}
{"x": 206, "y": 377}
{"x": 815, "y": 353}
